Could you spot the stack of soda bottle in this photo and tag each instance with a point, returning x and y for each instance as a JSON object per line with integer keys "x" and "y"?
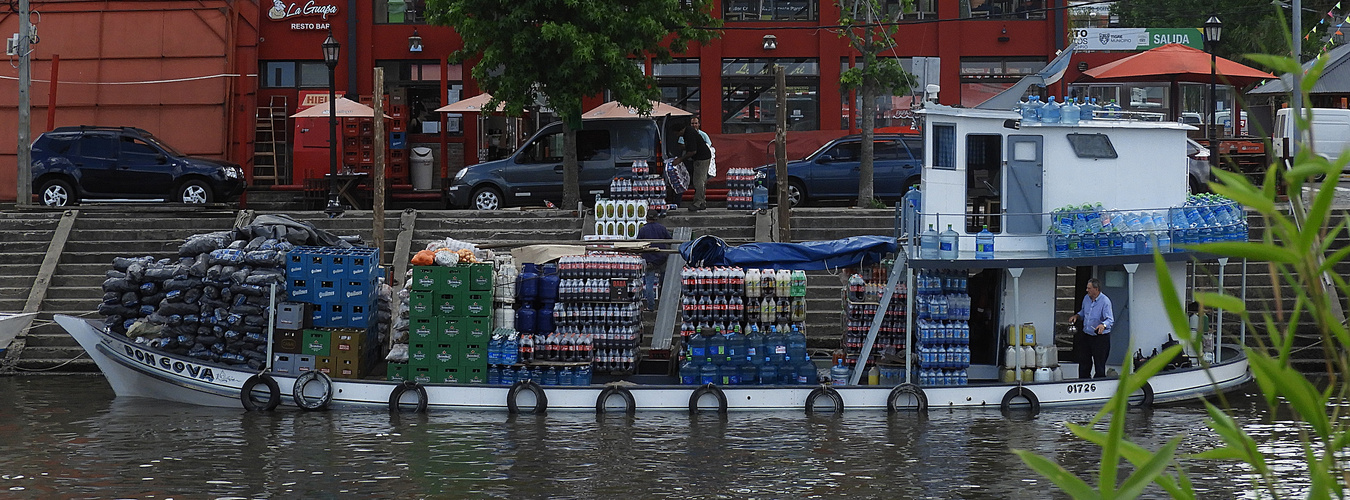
{"x": 744, "y": 327}
{"x": 865, "y": 288}
{"x": 597, "y": 318}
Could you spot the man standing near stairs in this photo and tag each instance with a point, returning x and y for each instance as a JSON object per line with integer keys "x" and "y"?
{"x": 656, "y": 261}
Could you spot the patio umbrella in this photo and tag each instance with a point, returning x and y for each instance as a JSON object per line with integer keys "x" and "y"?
{"x": 614, "y": 110}
{"x": 471, "y": 105}
{"x": 1174, "y": 63}
{"x": 346, "y": 108}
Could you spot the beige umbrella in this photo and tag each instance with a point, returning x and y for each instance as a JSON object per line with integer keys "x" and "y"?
{"x": 614, "y": 110}
{"x": 471, "y": 105}
{"x": 346, "y": 108}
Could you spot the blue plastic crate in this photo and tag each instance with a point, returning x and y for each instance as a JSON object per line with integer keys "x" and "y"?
{"x": 363, "y": 264}
{"x": 299, "y": 290}
{"x": 357, "y": 291}
{"x": 398, "y": 140}
{"x": 358, "y": 315}
{"x": 332, "y": 315}
{"x": 295, "y": 264}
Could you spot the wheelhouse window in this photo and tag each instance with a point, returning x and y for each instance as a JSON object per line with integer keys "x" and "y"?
{"x": 984, "y": 182}
{"x": 1096, "y": 146}
{"x": 944, "y": 146}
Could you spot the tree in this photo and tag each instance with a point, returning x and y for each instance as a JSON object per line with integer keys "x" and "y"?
{"x": 1249, "y": 26}
{"x": 862, "y": 22}
{"x": 566, "y": 50}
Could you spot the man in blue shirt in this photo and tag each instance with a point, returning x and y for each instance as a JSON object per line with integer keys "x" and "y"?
{"x": 656, "y": 261}
{"x": 1096, "y": 336}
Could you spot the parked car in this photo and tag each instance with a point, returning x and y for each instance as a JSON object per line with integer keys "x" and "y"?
{"x": 534, "y": 174}
{"x": 1197, "y": 158}
{"x": 74, "y": 164}
{"x": 832, "y": 171}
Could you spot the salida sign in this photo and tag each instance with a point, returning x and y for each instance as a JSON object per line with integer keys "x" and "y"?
{"x": 281, "y": 11}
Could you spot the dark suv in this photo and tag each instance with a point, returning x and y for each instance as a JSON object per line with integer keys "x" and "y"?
{"x": 832, "y": 171}
{"x": 71, "y": 164}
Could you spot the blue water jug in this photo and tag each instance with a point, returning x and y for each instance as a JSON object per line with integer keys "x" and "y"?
{"x": 747, "y": 373}
{"x": 839, "y": 373}
{"x": 527, "y": 286}
{"x": 806, "y": 372}
{"x": 566, "y": 377}
{"x": 707, "y": 374}
{"x": 1085, "y": 111}
{"x": 494, "y": 375}
{"x": 768, "y": 374}
{"x": 550, "y": 376}
{"x": 796, "y": 344}
{"x": 948, "y": 244}
{"x": 689, "y": 373}
{"x": 525, "y": 318}
{"x": 1070, "y": 113}
{"x": 760, "y": 197}
{"x": 548, "y": 283}
{"x": 928, "y": 244}
{"x": 582, "y": 375}
{"x": 1050, "y": 113}
{"x": 984, "y": 244}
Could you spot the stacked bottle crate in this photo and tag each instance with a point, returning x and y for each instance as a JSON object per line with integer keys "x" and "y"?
{"x": 866, "y": 286}
{"x": 340, "y": 285}
{"x": 396, "y": 170}
{"x": 943, "y": 333}
{"x": 597, "y": 319}
{"x": 450, "y": 323}
{"x": 744, "y": 327}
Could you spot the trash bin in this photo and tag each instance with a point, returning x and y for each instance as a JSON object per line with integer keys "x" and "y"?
{"x": 422, "y": 166}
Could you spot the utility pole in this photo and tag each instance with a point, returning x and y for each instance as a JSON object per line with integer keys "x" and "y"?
{"x": 780, "y": 155}
{"x": 24, "y": 196}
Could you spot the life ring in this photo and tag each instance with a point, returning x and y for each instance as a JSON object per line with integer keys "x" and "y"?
{"x": 540, "y": 400}
{"x": 708, "y": 389}
{"x": 629, "y": 405}
{"x": 306, "y": 402}
{"x": 273, "y": 393}
{"x": 1147, "y": 402}
{"x": 408, "y": 385}
{"x": 825, "y": 391}
{"x": 907, "y": 389}
{"x": 1024, "y": 392}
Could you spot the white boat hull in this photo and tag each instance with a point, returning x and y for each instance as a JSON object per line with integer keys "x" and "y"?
{"x": 11, "y": 324}
{"x": 136, "y": 371}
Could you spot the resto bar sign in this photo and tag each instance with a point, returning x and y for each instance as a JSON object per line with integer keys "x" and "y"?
{"x": 281, "y": 11}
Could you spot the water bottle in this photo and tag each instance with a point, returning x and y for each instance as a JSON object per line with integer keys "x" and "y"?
{"x": 1031, "y": 111}
{"x": 1085, "y": 111}
{"x": 839, "y": 373}
{"x": 707, "y": 374}
{"x": 768, "y": 374}
{"x": 582, "y": 376}
{"x": 747, "y": 373}
{"x": 760, "y": 196}
{"x": 911, "y": 206}
{"x": 796, "y": 345}
{"x": 948, "y": 245}
{"x": 1070, "y": 113}
{"x": 689, "y": 373}
{"x": 566, "y": 376}
{"x": 984, "y": 244}
{"x": 928, "y": 244}
{"x": 1050, "y": 113}
{"x": 806, "y": 372}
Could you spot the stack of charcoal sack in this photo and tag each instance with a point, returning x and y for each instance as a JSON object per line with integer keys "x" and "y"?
{"x": 212, "y": 302}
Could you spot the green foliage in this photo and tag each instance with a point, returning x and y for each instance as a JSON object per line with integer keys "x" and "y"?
{"x": 1249, "y": 26}
{"x": 1298, "y": 249}
{"x": 528, "y": 51}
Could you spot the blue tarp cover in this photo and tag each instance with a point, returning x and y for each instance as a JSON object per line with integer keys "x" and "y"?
{"x": 807, "y": 256}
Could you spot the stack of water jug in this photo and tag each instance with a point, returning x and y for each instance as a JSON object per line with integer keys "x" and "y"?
{"x": 1072, "y": 111}
{"x": 1089, "y": 231}
{"x": 943, "y": 331}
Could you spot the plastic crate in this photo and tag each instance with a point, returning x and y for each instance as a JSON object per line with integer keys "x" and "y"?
{"x": 422, "y": 329}
{"x": 286, "y": 341}
{"x": 426, "y": 278}
{"x": 449, "y": 330}
{"x": 396, "y": 372}
{"x": 421, "y": 304}
{"x": 480, "y": 277}
{"x": 476, "y": 330}
{"x": 316, "y": 342}
{"x": 478, "y": 304}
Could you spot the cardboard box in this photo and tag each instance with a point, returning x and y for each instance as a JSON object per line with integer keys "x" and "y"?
{"x": 347, "y": 368}
{"x": 348, "y": 341}
{"x": 303, "y": 363}
{"x": 324, "y": 364}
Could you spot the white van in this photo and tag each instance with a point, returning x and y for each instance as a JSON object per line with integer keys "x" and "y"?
{"x": 1330, "y": 132}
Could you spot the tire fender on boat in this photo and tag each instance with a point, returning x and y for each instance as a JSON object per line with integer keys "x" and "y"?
{"x": 1147, "y": 402}
{"x": 540, "y": 399}
{"x": 408, "y": 385}
{"x": 824, "y": 391}
{"x": 1024, "y": 392}
{"x": 629, "y": 405}
{"x": 306, "y": 402}
{"x": 910, "y": 389}
{"x": 273, "y": 393}
{"x": 708, "y": 389}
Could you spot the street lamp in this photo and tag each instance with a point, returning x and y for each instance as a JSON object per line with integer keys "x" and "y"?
{"x": 330, "y": 58}
{"x": 1213, "y": 28}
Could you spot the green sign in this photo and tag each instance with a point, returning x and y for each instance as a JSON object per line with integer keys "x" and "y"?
{"x": 1191, "y": 37}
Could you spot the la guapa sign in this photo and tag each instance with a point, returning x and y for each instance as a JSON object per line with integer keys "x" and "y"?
{"x": 282, "y": 11}
{"x": 1135, "y": 38}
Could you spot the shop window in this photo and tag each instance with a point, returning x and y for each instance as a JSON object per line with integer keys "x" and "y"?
{"x": 891, "y": 110}
{"x": 748, "y": 100}
{"x": 984, "y": 182}
{"x": 400, "y": 11}
{"x": 769, "y": 10}
{"x": 982, "y": 78}
{"x": 679, "y": 83}
{"x": 1003, "y": 9}
{"x": 915, "y": 9}
{"x": 294, "y": 74}
{"x": 419, "y": 83}
{"x": 944, "y": 146}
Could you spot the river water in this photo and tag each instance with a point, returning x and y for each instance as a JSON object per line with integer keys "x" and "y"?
{"x": 68, "y": 437}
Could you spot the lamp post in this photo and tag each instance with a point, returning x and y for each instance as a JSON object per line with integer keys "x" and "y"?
{"x": 330, "y": 58}
{"x": 1213, "y": 27}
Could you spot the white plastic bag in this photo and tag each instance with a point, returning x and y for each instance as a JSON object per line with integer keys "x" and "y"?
{"x": 712, "y": 162}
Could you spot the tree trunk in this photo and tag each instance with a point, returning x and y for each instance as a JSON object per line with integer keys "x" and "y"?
{"x": 866, "y": 190}
{"x": 571, "y": 172}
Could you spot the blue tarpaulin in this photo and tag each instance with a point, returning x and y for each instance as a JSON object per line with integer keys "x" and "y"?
{"x": 807, "y": 256}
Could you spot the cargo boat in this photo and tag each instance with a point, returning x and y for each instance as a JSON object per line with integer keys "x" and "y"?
{"x": 972, "y": 158}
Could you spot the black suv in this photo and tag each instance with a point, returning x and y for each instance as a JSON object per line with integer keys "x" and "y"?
{"x": 71, "y": 164}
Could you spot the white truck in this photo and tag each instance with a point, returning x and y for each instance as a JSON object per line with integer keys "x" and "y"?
{"x": 1330, "y": 130}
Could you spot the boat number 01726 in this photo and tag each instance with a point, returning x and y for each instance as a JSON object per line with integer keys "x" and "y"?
{"x": 1081, "y": 388}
